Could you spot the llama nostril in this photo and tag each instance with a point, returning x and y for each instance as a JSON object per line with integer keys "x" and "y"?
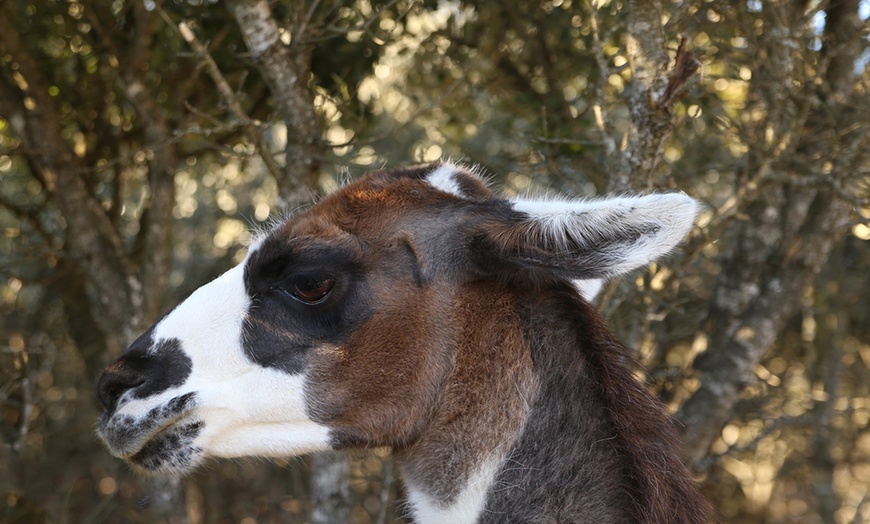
{"x": 115, "y": 381}
{"x": 145, "y": 369}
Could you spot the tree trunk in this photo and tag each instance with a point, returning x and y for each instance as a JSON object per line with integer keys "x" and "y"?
{"x": 758, "y": 291}
{"x": 651, "y": 122}
{"x": 784, "y": 238}
{"x": 286, "y": 70}
{"x": 655, "y": 90}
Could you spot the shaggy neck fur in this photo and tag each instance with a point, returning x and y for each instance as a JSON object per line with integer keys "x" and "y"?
{"x": 553, "y": 426}
{"x": 482, "y": 408}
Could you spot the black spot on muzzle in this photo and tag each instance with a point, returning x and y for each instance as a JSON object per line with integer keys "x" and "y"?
{"x": 145, "y": 369}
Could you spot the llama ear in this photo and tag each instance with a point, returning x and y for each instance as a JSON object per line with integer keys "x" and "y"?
{"x": 594, "y": 239}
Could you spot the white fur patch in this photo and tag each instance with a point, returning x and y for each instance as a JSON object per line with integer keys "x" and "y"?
{"x": 442, "y": 178}
{"x": 259, "y": 414}
{"x": 589, "y": 289}
{"x": 467, "y": 506}
{"x": 209, "y": 324}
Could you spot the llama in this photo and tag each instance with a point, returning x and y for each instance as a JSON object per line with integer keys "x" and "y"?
{"x": 417, "y": 310}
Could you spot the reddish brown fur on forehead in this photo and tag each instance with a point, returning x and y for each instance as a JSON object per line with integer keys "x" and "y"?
{"x": 405, "y": 349}
{"x": 376, "y": 203}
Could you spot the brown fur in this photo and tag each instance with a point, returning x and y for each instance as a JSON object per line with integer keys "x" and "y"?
{"x": 490, "y": 361}
{"x": 456, "y": 362}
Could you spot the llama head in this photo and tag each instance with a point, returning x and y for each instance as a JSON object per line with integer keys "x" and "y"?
{"x": 337, "y": 328}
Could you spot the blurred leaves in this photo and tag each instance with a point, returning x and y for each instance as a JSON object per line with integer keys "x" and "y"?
{"x": 773, "y": 131}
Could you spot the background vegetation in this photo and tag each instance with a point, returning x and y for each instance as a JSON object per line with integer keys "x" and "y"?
{"x": 140, "y": 141}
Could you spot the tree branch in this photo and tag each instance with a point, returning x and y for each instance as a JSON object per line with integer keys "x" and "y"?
{"x": 153, "y": 249}
{"x": 650, "y": 122}
{"x": 653, "y": 95}
{"x": 286, "y": 72}
{"x": 252, "y": 131}
{"x": 752, "y": 303}
{"x": 286, "y": 75}
{"x": 615, "y": 159}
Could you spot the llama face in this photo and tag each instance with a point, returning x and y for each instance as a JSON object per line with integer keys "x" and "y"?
{"x": 337, "y": 329}
{"x": 188, "y": 388}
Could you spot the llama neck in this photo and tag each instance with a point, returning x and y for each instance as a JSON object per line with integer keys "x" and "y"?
{"x": 527, "y": 431}
{"x": 567, "y": 465}
{"x": 596, "y": 447}
{"x": 520, "y": 411}
{"x": 482, "y": 408}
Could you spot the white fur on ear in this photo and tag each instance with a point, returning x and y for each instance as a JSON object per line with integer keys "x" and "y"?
{"x": 589, "y": 289}
{"x": 443, "y": 178}
{"x": 625, "y": 232}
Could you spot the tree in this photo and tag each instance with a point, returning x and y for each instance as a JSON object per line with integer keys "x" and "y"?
{"x": 137, "y": 137}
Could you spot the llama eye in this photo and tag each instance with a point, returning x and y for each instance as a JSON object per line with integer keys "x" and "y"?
{"x": 311, "y": 289}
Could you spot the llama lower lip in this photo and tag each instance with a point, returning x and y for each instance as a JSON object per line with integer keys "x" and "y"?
{"x": 127, "y": 436}
{"x": 171, "y": 448}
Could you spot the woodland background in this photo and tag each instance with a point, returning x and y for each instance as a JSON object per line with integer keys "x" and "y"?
{"x": 140, "y": 141}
